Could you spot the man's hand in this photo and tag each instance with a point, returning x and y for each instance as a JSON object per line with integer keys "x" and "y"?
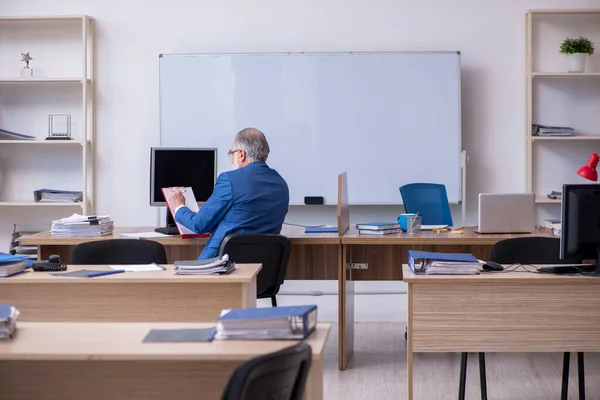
{"x": 177, "y": 199}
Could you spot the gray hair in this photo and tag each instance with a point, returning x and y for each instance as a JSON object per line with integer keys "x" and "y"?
{"x": 254, "y": 143}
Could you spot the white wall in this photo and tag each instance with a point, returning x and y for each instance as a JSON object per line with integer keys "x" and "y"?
{"x": 130, "y": 35}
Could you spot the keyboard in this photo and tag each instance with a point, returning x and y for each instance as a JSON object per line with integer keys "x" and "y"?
{"x": 167, "y": 230}
{"x": 568, "y": 269}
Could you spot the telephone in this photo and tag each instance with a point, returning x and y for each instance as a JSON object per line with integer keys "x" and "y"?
{"x": 53, "y": 264}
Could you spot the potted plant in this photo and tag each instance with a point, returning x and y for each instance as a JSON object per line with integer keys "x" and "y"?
{"x": 576, "y": 51}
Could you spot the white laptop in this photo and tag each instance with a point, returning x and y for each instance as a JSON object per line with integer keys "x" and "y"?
{"x": 506, "y": 213}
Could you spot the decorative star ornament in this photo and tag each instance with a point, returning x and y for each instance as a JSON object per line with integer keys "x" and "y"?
{"x": 26, "y": 58}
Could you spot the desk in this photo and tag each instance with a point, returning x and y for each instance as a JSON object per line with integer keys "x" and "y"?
{"x": 158, "y": 296}
{"x": 501, "y": 312}
{"x": 385, "y": 255}
{"x": 96, "y": 361}
{"x": 313, "y": 256}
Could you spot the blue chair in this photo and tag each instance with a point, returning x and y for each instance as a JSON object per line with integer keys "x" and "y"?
{"x": 428, "y": 199}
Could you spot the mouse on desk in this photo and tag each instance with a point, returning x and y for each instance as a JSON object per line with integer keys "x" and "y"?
{"x": 492, "y": 266}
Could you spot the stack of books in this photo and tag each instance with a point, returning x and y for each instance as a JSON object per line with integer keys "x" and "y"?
{"x": 11, "y": 265}
{"x": 544, "y": 130}
{"x": 82, "y": 226}
{"x": 57, "y": 196}
{"x": 433, "y": 263}
{"x": 553, "y": 224}
{"x": 8, "y": 321}
{"x": 283, "y": 322}
{"x": 216, "y": 265}
{"x": 554, "y": 195}
{"x": 378, "y": 228}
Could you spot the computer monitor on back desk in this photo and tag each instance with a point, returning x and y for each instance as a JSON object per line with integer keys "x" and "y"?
{"x": 190, "y": 167}
{"x": 580, "y": 224}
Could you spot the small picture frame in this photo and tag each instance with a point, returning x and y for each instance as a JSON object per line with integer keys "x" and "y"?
{"x": 59, "y": 126}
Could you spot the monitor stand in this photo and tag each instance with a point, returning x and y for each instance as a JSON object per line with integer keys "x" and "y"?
{"x": 170, "y": 228}
{"x": 597, "y": 271}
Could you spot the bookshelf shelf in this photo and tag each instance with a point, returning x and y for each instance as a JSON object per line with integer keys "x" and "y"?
{"x": 564, "y": 74}
{"x": 43, "y": 80}
{"x": 36, "y": 204}
{"x": 556, "y": 97}
{"x": 44, "y": 142}
{"x": 575, "y": 137}
{"x": 66, "y": 89}
{"x": 541, "y": 199}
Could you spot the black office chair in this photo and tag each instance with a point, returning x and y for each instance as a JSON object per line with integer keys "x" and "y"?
{"x": 526, "y": 250}
{"x": 119, "y": 251}
{"x": 280, "y": 375}
{"x": 270, "y": 250}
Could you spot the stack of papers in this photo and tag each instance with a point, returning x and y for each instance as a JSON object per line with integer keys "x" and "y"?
{"x": 82, "y": 226}
{"x": 452, "y": 268}
{"x": 12, "y": 265}
{"x": 137, "y": 267}
{"x": 214, "y": 265}
{"x": 544, "y": 130}
{"x": 284, "y": 322}
{"x": 8, "y": 321}
{"x": 57, "y": 196}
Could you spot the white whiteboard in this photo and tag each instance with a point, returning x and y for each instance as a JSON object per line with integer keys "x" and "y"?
{"x": 388, "y": 119}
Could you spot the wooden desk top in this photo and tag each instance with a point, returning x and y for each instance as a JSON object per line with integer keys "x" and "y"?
{"x": 295, "y": 233}
{"x": 123, "y": 341}
{"x": 244, "y": 273}
{"x": 519, "y": 276}
{"x": 468, "y": 237}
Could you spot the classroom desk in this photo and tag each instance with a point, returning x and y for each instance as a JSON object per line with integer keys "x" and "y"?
{"x": 386, "y": 254}
{"x": 501, "y": 312}
{"x": 93, "y": 361}
{"x": 158, "y": 296}
{"x": 313, "y": 255}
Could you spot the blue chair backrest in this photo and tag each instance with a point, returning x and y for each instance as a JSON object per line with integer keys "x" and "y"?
{"x": 428, "y": 199}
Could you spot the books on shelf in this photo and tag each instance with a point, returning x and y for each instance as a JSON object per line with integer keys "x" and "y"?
{"x": 434, "y": 263}
{"x": 553, "y": 224}
{"x": 554, "y": 195}
{"x": 545, "y": 130}
{"x": 8, "y": 321}
{"x": 8, "y": 135}
{"x": 82, "y": 226}
{"x": 283, "y": 322}
{"x": 57, "y": 196}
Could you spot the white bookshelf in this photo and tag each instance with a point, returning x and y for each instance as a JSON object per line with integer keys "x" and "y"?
{"x": 557, "y": 97}
{"x": 62, "y": 48}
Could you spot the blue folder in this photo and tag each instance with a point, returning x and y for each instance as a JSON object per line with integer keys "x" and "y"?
{"x": 87, "y": 273}
{"x": 320, "y": 229}
{"x": 425, "y": 256}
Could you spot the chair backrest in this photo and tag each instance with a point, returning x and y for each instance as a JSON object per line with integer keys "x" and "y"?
{"x": 276, "y": 376}
{"x": 428, "y": 199}
{"x": 119, "y": 251}
{"x": 529, "y": 250}
{"x": 270, "y": 250}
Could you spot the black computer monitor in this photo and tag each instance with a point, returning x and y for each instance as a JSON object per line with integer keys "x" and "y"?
{"x": 191, "y": 167}
{"x": 580, "y": 224}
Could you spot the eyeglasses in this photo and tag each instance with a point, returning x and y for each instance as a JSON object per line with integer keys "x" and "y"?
{"x": 231, "y": 153}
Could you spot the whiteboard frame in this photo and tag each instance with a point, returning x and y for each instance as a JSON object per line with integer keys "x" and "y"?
{"x": 461, "y": 152}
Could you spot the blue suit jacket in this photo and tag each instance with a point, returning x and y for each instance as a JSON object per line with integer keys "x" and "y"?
{"x": 252, "y": 199}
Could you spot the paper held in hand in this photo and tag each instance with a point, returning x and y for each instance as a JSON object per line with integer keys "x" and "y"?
{"x": 191, "y": 203}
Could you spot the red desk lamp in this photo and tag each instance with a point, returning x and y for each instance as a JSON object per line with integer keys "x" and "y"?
{"x": 588, "y": 171}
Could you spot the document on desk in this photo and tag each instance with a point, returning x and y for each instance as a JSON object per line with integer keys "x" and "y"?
{"x": 137, "y": 267}
{"x": 145, "y": 235}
